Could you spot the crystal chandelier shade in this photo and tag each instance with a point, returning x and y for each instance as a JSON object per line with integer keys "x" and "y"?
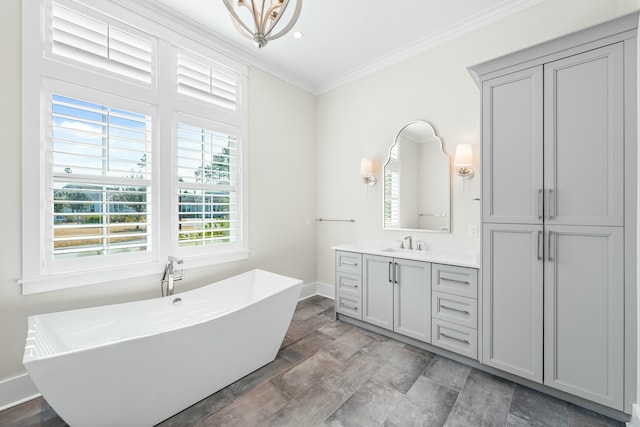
{"x": 265, "y": 16}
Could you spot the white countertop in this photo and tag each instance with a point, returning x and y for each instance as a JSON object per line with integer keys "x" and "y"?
{"x": 462, "y": 256}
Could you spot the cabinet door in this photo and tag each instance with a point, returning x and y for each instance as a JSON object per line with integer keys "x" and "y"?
{"x": 584, "y": 320}
{"x": 377, "y": 291}
{"x": 512, "y": 275}
{"x": 584, "y": 140}
{"x": 512, "y": 132}
{"x": 412, "y": 299}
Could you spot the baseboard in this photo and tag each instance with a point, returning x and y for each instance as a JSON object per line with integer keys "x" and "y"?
{"x": 635, "y": 417}
{"x": 316, "y": 288}
{"x": 16, "y": 390}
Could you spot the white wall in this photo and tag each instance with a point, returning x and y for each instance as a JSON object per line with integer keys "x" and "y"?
{"x": 281, "y": 164}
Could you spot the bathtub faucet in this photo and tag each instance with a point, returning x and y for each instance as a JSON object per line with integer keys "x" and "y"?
{"x": 168, "y": 277}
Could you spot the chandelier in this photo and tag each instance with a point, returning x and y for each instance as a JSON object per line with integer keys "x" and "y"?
{"x": 266, "y": 15}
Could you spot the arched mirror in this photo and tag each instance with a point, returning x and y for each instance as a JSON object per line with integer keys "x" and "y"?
{"x": 417, "y": 181}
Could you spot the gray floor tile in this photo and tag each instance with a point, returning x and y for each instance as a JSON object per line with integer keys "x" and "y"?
{"x": 201, "y": 410}
{"x": 337, "y": 329}
{"x": 249, "y": 410}
{"x": 308, "y": 312}
{"x": 538, "y": 409}
{"x": 299, "y": 378}
{"x": 349, "y": 344}
{"x": 371, "y": 405}
{"x": 310, "y": 409}
{"x": 33, "y": 413}
{"x": 262, "y": 375}
{"x": 299, "y": 329}
{"x": 427, "y": 403}
{"x": 514, "y": 421}
{"x": 448, "y": 372}
{"x": 580, "y": 417}
{"x": 307, "y": 345}
{"x": 401, "y": 369}
{"x": 484, "y": 401}
{"x": 353, "y": 373}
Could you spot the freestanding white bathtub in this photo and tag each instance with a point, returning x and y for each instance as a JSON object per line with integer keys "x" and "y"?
{"x": 138, "y": 363}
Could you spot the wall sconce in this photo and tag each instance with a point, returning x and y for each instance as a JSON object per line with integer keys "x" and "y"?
{"x": 366, "y": 171}
{"x": 463, "y": 161}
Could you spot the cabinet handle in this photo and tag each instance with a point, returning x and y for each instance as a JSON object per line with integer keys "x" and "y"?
{"x": 464, "y": 282}
{"x": 540, "y": 204}
{"x": 455, "y": 309}
{"x": 550, "y": 207}
{"x": 348, "y": 284}
{"x": 442, "y": 334}
{"x": 390, "y": 266}
{"x": 540, "y": 246}
{"x": 549, "y": 245}
{"x": 396, "y": 273}
{"x": 355, "y": 307}
{"x": 355, "y": 264}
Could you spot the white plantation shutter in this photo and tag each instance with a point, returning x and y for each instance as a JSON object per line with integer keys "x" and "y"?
{"x": 207, "y": 162}
{"x": 95, "y": 42}
{"x": 207, "y": 81}
{"x": 100, "y": 162}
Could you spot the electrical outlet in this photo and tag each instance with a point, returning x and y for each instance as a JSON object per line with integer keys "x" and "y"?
{"x": 473, "y": 231}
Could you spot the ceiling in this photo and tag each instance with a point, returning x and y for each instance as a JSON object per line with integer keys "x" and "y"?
{"x": 344, "y": 39}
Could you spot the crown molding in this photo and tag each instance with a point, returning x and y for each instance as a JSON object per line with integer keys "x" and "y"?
{"x": 503, "y": 10}
{"x": 174, "y": 20}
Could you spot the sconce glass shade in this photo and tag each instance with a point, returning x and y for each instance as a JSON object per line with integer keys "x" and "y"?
{"x": 463, "y": 160}
{"x": 366, "y": 171}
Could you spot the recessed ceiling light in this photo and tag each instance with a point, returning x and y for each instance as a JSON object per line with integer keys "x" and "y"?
{"x": 297, "y": 35}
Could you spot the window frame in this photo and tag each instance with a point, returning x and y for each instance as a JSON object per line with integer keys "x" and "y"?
{"x": 180, "y": 117}
{"x": 50, "y": 266}
{"x": 42, "y": 72}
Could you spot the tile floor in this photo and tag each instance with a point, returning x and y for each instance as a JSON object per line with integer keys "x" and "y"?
{"x": 329, "y": 373}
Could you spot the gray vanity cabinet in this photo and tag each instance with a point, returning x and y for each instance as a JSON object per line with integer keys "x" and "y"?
{"x": 553, "y": 182}
{"x": 584, "y": 312}
{"x": 512, "y": 171}
{"x": 397, "y": 295}
{"x": 454, "y": 309}
{"x": 349, "y": 284}
{"x": 512, "y": 278}
{"x": 584, "y": 138}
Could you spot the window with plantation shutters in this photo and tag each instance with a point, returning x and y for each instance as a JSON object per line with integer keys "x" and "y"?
{"x": 206, "y": 81}
{"x": 133, "y": 135}
{"x": 95, "y": 42}
{"x": 207, "y": 186}
{"x": 100, "y": 158}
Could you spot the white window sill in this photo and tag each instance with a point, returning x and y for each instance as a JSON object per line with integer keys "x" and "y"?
{"x": 39, "y": 284}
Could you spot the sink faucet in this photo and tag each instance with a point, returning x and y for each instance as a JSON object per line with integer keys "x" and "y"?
{"x": 410, "y": 239}
{"x": 169, "y": 277}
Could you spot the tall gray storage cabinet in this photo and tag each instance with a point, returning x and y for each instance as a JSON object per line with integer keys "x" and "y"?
{"x": 559, "y": 185}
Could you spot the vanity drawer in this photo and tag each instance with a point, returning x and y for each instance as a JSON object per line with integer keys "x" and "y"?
{"x": 348, "y": 284}
{"x": 455, "y": 280}
{"x": 349, "y": 305}
{"x": 349, "y": 262}
{"x": 455, "y": 309}
{"x": 456, "y": 338}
